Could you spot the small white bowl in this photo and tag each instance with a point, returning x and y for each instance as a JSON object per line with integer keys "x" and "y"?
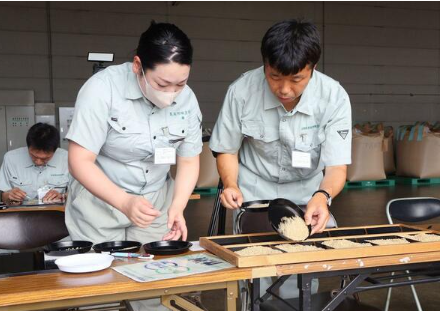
{"x": 81, "y": 263}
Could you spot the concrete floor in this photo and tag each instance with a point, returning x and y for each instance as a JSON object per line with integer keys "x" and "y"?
{"x": 353, "y": 207}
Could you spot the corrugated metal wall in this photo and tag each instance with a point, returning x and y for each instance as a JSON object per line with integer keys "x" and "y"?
{"x": 386, "y": 54}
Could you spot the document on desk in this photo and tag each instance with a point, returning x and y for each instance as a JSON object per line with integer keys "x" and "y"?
{"x": 154, "y": 270}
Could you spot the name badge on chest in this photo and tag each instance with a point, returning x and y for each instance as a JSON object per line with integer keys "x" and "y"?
{"x": 301, "y": 159}
{"x": 166, "y": 155}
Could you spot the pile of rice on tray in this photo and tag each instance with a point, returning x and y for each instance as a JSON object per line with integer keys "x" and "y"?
{"x": 344, "y": 244}
{"x": 257, "y": 250}
{"x": 294, "y": 248}
{"x": 424, "y": 237}
{"x": 388, "y": 241}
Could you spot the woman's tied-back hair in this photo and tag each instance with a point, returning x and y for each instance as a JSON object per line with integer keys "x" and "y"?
{"x": 163, "y": 43}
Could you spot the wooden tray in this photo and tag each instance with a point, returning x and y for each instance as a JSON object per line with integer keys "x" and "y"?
{"x": 225, "y": 246}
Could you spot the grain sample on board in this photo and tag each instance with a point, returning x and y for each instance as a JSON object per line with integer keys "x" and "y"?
{"x": 388, "y": 241}
{"x": 293, "y": 228}
{"x": 344, "y": 244}
{"x": 294, "y": 248}
{"x": 259, "y": 205}
{"x": 257, "y": 250}
{"x": 424, "y": 237}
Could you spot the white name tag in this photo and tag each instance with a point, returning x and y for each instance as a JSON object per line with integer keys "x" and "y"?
{"x": 165, "y": 156}
{"x": 301, "y": 159}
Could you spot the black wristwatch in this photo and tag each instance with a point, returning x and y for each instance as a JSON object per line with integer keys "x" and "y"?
{"x": 329, "y": 197}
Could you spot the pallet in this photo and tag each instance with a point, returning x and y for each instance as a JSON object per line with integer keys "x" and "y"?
{"x": 206, "y": 191}
{"x": 370, "y": 183}
{"x": 226, "y": 246}
{"x": 416, "y": 181}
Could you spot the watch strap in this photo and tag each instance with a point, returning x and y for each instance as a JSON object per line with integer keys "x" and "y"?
{"x": 329, "y": 197}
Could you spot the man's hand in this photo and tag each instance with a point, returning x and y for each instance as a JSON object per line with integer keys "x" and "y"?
{"x": 317, "y": 213}
{"x": 15, "y": 195}
{"x": 176, "y": 224}
{"x": 53, "y": 196}
{"x": 232, "y": 198}
{"x": 139, "y": 210}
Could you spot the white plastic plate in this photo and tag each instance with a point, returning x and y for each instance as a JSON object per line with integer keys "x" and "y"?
{"x": 81, "y": 263}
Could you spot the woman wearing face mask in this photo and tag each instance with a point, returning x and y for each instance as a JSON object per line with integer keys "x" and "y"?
{"x": 131, "y": 122}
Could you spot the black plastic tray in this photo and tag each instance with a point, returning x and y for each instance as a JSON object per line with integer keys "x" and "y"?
{"x": 167, "y": 247}
{"x": 65, "y": 248}
{"x": 118, "y": 246}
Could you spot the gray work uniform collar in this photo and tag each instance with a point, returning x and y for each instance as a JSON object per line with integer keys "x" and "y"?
{"x": 304, "y": 105}
{"x": 132, "y": 90}
{"x": 30, "y": 164}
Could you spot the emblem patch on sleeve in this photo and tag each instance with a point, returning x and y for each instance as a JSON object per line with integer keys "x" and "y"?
{"x": 343, "y": 133}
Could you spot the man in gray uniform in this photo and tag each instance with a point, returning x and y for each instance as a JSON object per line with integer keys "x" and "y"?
{"x": 282, "y": 125}
{"x": 38, "y": 170}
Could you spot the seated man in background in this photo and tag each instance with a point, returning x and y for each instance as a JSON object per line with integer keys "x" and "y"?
{"x": 38, "y": 172}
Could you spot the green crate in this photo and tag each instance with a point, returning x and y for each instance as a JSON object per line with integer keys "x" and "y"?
{"x": 416, "y": 181}
{"x": 206, "y": 191}
{"x": 370, "y": 183}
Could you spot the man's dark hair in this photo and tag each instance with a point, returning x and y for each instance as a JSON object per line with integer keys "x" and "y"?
{"x": 43, "y": 137}
{"x": 290, "y": 45}
{"x": 163, "y": 43}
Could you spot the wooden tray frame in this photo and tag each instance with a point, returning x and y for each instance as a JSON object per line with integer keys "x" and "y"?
{"x": 225, "y": 252}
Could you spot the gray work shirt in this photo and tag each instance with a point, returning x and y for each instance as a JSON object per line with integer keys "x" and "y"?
{"x": 18, "y": 171}
{"x": 253, "y": 122}
{"x": 114, "y": 121}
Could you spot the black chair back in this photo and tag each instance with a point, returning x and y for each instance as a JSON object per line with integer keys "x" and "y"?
{"x": 414, "y": 209}
{"x": 20, "y": 230}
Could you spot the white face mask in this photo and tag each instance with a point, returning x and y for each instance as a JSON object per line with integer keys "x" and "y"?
{"x": 159, "y": 98}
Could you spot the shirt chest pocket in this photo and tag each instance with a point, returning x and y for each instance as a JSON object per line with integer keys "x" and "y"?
{"x": 20, "y": 183}
{"x": 127, "y": 140}
{"x": 58, "y": 182}
{"x": 265, "y": 139}
{"x": 175, "y": 134}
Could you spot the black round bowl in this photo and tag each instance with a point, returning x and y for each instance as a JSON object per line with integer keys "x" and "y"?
{"x": 280, "y": 208}
{"x": 118, "y": 246}
{"x": 167, "y": 247}
{"x": 66, "y": 248}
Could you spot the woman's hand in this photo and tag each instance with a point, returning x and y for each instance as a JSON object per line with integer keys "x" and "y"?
{"x": 139, "y": 210}
{"x": 176, "y": 224}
